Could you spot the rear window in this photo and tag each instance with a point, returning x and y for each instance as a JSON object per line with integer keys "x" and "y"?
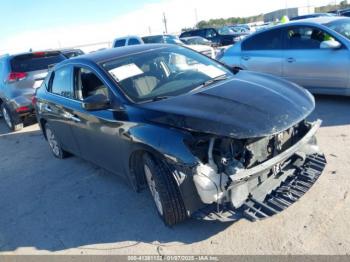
{"x": 120, "y": 43}
{"x": 34, "y": 62}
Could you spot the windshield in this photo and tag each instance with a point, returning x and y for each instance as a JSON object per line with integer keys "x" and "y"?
{"x": 341, "y": 26}
{"x": 164, "y": 72}
{"x": 172, "y": 40}
{"x": 162, "y": 39}
{"x": 199, "y": 41}
{"x": 226, "y": 31}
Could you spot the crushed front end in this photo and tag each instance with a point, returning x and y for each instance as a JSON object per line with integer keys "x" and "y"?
{"x": 258, "y": 177}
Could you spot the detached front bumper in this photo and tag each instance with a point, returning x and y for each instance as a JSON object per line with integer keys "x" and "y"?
{"x": 273, "y": 185}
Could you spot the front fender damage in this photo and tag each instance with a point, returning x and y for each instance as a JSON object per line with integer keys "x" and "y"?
{"x": 256, "y": 178}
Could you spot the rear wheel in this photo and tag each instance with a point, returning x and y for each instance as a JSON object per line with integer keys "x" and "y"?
{"x": 56, "y": 149}
{"x": 9, "y": 119}
{"x": 164, "y": 190}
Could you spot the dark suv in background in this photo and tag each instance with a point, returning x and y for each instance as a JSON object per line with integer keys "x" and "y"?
{"x": 212, "y": 35}
{"x": 20, "y": 75}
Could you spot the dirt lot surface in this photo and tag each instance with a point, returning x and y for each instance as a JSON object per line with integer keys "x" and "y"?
{"x": 73, "y": 207}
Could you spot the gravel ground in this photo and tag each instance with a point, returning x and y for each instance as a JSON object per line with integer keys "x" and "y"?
{"x": 73, "y": 207}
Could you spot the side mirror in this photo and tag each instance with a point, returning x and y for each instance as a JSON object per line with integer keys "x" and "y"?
{"x": 330, "y": 44}
{"x": 96, "y": 102}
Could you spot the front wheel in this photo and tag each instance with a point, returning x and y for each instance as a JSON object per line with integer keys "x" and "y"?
{"x": 55, "y": 146}
{"x": 9, "y": 119}
{"x": 164, "y": 190}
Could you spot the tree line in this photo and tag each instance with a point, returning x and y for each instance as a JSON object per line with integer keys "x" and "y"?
{"x": 219, "y": 22}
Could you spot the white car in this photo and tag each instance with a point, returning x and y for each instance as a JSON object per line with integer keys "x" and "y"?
{"x": 165, "y": 39}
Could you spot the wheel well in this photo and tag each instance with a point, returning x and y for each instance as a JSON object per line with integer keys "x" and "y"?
{"x": 42, "y": 123}
{"x": 136, "y": 169}
{"x": 136, "y": 172}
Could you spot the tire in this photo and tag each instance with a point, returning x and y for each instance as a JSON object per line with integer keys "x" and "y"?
{"x": 54, "y": 144}
{"x": 9, "y": 119}
{"x": 164, "y": 190}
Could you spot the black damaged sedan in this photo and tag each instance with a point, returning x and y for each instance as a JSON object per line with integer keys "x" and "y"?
{"x": 208, "y": 142}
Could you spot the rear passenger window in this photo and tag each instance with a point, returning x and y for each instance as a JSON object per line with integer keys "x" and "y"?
{"x": 61, "y": 83}
{"x": 120, "y": 43}
{"x": 87, "y": 83}
{"x": 270, "y": 40}
{"x": 134, "y": 41}
{"x": 306, "y": 38}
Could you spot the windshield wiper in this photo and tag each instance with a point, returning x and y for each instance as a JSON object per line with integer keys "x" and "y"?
{"x": 211, "y": 81}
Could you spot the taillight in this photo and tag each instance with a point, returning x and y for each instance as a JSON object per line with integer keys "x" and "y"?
{"x": 16, "y": 76}
{"x": 22, "y": 109}
{"x": 34, "y": 100}
{"x": 39, "y": 54}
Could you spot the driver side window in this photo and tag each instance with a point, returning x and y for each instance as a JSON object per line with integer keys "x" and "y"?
{"x": 87, "y": 83}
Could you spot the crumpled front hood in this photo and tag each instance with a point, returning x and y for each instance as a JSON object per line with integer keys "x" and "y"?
{"x": 245, "y": 106}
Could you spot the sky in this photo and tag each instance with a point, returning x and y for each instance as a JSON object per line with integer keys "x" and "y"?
{"x": 43, "y": 24}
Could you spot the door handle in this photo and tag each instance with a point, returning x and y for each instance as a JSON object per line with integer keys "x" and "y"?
{"x": 75, "y": 119}
{"x": 69, "y": 116}
{"x": 291, "y": 60}
{"x": 48, "y": 108}
{"x": 245, "y": 58}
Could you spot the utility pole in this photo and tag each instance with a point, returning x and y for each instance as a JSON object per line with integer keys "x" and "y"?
{"x": 196, "y": 15}
{"x": 149, "y": 30}
{"x": 165, "y": 23}
{"x": 286, "y": 7}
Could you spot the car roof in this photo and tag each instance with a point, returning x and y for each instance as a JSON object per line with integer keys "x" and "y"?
{"x": 197, "y": 29}
{"x": 323, "y": 20}
{"x": 70, "y": 50}
{"x": 127, "y": 37}
{"x": 192, "y": 37}
{"x": 113, "y": 53}
{"x": 157, "y": 35}
{"x": 318, "y": 20}
{"x": 33, "y": 52}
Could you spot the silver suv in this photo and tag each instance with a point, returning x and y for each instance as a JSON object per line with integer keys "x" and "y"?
{"x": 20, "y": 75}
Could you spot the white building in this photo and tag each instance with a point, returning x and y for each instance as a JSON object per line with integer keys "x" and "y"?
{"x": 290, "y": 12}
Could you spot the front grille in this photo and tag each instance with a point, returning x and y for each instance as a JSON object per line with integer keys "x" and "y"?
{"x": 262, "y": 149}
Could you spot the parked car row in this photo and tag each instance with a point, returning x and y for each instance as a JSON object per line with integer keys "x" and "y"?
{"x": 342, "y": 12}
{"x": 226, "y": 37}
{"x": 163, "y": 39}
{"x": 313, "y": 53}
